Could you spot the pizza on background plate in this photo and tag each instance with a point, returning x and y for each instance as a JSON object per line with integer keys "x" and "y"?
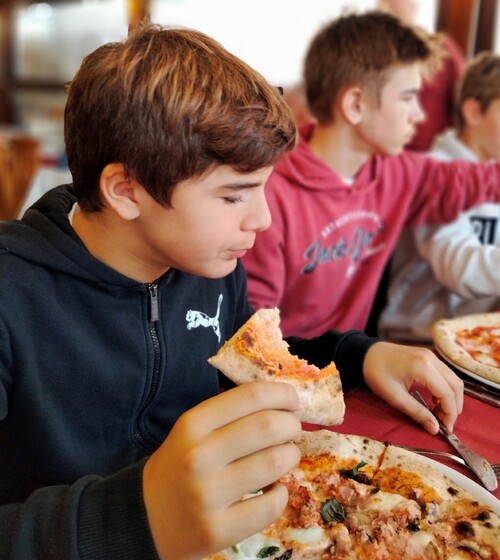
{"x": 352, "y": 497}
{"x": 471, "y": 342}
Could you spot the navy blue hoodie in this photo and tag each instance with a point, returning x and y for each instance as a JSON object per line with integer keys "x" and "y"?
{"x": 95, "y": 368}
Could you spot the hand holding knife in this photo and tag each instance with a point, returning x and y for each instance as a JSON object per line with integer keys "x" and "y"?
{"x": 478, "y": 464}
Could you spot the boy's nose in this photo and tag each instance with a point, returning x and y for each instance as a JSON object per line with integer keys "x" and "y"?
{"x": 418, "y": 114}
{"x": 260, "y": 217}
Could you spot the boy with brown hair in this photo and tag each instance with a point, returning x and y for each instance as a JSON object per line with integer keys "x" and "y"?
{"x": 114, "y": 440}
{"x": 437, "y": 95}
{"x": 340, "y": 199}
{"x": 453, "y": 270}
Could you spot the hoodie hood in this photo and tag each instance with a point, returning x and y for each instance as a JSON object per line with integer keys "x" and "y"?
{"x": 45, "y": 237}
{"x": 305, "y": 169}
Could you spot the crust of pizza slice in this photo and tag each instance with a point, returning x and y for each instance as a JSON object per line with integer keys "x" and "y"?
{"x": 342, "y": 447}
{"x": 403, "y": 472}
{"x": 452, "y": 341}
{"x": 257, "y": 352}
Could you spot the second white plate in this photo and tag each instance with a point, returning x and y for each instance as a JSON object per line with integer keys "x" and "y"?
{"x": 475, "y": 376}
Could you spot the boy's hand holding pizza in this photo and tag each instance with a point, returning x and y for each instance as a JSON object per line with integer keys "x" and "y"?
{"x": 391, "y": 369}
{"x": 333, "y": 509}
{"x": 230, "y": 445}
{"x": 258, "y": 351}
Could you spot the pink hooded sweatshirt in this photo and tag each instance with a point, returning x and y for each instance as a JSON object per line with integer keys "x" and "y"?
{"x": 322, "y": 258}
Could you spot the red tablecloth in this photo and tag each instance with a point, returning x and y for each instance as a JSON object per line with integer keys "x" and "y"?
{"x": 478, "y": 427}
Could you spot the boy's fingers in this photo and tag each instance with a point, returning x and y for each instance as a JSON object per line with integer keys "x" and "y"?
{"x": 251, "y": 434}
{"x": 250, "y": 516}
{"x": 401, "y": 400}
{"x": 240, "y": 402}
{"x": 251, "y": 473}
{"x": 447, "y": 391}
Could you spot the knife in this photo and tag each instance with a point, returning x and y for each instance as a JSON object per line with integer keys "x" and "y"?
{"x": 478, "y": 464}
{"x": 481, "y": 393}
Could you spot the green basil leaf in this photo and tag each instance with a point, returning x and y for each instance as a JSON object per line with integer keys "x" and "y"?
{"x": 286, "y": 555}
{"x": 235, "y": 548}
{"x": 332, "y": 510}
{"x": 351, "y": 473}
{"x": 268, "y": 551}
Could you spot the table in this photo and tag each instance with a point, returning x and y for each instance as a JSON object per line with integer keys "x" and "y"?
{"x": 478, "y": 427}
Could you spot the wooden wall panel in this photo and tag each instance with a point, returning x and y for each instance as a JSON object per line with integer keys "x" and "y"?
{"x": 485, "y": 29}
{"x": 470, "y": 22}
{"x": 6, "y": 111}
{"x": 457, "y": 19}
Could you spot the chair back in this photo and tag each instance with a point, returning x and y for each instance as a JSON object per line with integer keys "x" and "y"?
{"x": 19, "y": 161}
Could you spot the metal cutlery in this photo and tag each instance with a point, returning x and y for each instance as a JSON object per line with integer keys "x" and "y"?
{"x": 482, "y": 393}
{"x": 445, "y": 454}
{"x": 478, "y": 464}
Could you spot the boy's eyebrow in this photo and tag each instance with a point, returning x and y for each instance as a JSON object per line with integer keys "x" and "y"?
{"x": 411, "y": 91}
{"x": 240, "y": 186}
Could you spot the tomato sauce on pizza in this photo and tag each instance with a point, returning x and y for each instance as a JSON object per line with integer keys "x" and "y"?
{"x": 257, "y": 352}
{"x": 471, "y": 343}
{"x": 390, "y": 505}
{"x": 482, "y": 343}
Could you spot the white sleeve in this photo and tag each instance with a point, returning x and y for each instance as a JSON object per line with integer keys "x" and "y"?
{"x": 458, "y": 259}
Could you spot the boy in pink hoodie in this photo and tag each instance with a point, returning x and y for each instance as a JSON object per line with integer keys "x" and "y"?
{"x": 340, "y": 199}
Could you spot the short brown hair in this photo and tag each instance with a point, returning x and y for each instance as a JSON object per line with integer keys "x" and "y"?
{"x": 359, "y": 49}
{"x": 169, "y": 104}
{"x": 480, "y": 81}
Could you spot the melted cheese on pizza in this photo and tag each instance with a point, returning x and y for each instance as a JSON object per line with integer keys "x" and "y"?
{"x": 342, "y": 508}
{"x": 335, "y": 511}
{"x": 405, "y": 483}
{"x": 482, "y": 343}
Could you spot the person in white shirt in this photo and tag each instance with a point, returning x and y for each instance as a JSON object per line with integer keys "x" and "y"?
{"x": 452, "y": 270}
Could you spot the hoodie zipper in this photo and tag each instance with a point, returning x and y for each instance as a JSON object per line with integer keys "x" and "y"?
{"x": 154, "y": 316}
{"x": 154, "y": 313}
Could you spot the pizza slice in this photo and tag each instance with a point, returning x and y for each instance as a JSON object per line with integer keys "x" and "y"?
{"x": 257, "y": 352}
{"x": 471, "y": 342}
{"x": 453, "y": 523}
{"x": 353, "y": 497}
{"x": 402, "y": 472}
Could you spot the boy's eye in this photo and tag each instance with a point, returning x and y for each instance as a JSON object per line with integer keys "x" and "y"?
{"x": 410, "y": 97}
{"x": 232, "y": 199}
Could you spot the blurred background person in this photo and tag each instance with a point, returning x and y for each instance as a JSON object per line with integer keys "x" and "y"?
{"x": 341, "y": 198}
{"x": 438, "y": 92}
{"x": 295, "y": 98}
{"x": 453, "y": 270}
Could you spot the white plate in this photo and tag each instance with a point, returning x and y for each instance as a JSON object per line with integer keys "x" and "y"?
{"x": 477, "y": 377}
{"x": 467, "y": 484}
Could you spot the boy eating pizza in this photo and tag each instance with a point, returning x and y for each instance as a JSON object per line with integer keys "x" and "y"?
{"x": 115, "y": 441}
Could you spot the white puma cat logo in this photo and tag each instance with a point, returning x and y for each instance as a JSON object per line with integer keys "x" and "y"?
{"x": 197, "y": 319}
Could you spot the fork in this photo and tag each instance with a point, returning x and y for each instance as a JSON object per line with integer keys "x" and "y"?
{"x": 456, "y": 458}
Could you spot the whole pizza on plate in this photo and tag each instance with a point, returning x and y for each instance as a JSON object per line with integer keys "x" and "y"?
{"x": 471, "y": 342}
{"x": 352, "y": 497}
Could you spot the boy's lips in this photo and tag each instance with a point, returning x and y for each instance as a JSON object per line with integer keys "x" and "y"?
{"x": 238, "y": 253}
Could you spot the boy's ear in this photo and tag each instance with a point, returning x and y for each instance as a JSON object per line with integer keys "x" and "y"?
{"x": 119, "y": 191}
{"x": 352, "y": 104}
{"x": 471, "y": 110}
